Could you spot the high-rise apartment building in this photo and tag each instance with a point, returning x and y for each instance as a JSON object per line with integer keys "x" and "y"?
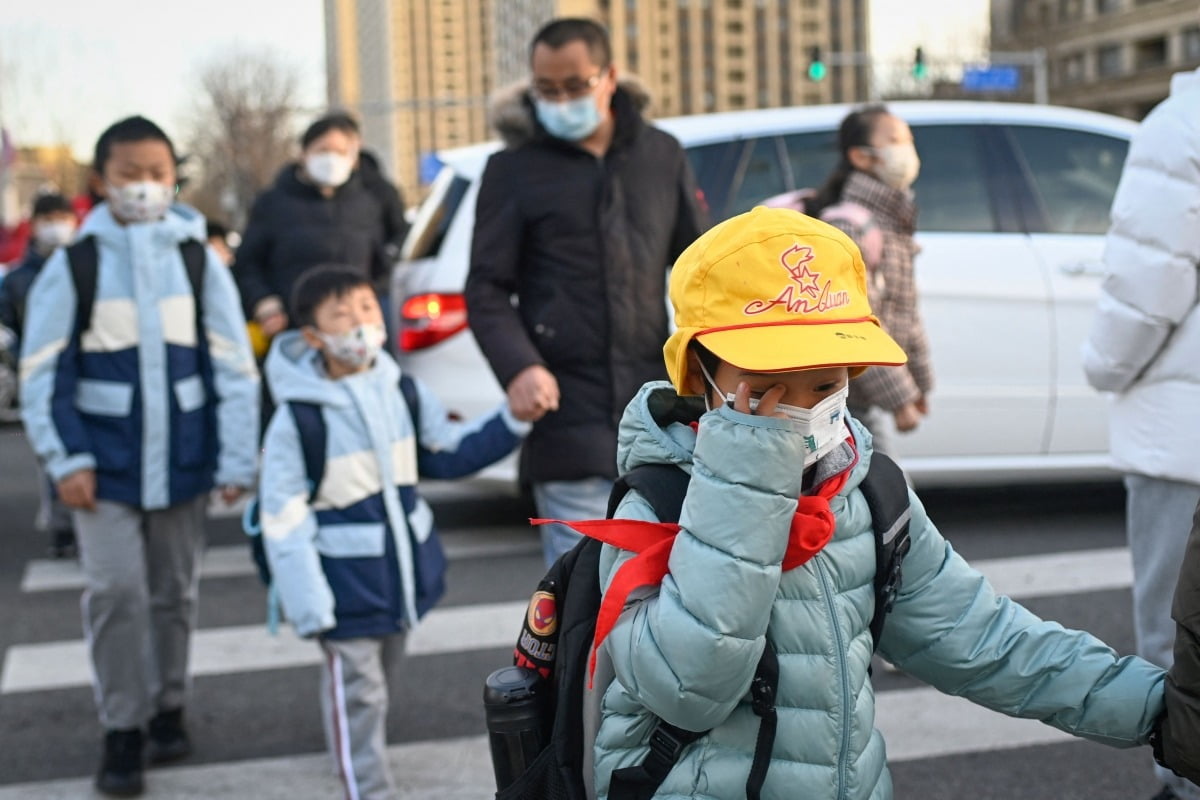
{"x": 419, "y": 71}
{"x": 1108, "y": 55}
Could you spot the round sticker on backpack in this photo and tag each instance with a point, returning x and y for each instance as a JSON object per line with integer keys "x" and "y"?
{"x": 543, "y": 614}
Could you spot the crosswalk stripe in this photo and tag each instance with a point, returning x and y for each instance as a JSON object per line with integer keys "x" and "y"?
{"x": 915, "y": 723}
{"x": 35, "y": 667}
{"x": 231, "y": 561}
{"x": 248, "y": 648}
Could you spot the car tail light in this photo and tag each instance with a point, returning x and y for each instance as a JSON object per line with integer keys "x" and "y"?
{"x": 426, "y": 319}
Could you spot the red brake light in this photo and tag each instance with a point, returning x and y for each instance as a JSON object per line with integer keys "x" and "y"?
{"x": 426, "y": 319}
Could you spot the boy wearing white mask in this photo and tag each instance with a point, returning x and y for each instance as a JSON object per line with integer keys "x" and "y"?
{"x": 138, "y": 408}
{"x": 52, "y": 225}
{"x": 355, "y": 559}
{"x": 876, "y": 170}
{"x": 774, "y": 553}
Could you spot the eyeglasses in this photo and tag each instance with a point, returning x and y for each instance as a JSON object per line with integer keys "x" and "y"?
{"x": 571, "y": 89}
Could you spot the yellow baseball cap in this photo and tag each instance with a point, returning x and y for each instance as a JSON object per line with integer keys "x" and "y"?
{"x": 773, "y": 290}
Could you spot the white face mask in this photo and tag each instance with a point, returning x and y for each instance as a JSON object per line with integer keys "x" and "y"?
{"x": 143, "y": 201}
{"x": 898, "y": 165}
{"x": 357, "y": 347}
{"x": 49, "y": 235}
{"x": 329, "y": 169}
{"x": 823, "y": 426}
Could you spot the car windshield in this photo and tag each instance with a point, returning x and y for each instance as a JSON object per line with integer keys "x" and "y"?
{"x": 434, "y": 216}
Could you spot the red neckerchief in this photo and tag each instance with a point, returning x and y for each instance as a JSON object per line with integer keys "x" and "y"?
{"x": 811, "y": 529}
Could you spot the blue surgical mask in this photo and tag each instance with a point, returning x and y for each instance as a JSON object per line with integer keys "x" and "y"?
{"x": 572, "y": 120}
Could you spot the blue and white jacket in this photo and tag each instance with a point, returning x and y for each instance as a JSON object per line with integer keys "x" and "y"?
{"x": 159, "y": 413}
{"x": 361, "y": 557}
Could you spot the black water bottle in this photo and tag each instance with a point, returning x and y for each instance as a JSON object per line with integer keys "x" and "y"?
{"x": 513, "y": 702}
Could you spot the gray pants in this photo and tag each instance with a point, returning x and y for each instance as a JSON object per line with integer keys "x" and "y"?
{"x": 139, "y": 604}
{"x": 354, "y": 705}
{"x": 1158, "y": 520}
{"x": 568, "y": 500}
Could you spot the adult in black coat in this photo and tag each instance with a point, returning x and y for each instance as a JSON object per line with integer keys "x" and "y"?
{"x": 578, "y": 219}
{"x": 333, "y": 206}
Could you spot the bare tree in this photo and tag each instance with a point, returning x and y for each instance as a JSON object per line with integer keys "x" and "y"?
{"x": 242, "y": 131}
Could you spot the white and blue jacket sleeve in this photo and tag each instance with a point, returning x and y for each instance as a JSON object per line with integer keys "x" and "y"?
{"x": 289, "y": 530}
{"x": 448, "y": 448}
{"x": 48, "y": 349}
{"x": 235, "y": 377}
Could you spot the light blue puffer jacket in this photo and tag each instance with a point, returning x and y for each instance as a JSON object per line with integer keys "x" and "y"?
{"x": 687, "y": 652}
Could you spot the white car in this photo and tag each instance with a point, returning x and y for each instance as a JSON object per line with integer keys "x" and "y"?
{"x": 1013, "y": 206}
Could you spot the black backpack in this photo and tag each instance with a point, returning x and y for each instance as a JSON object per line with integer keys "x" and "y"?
{"x": 557, "y": 773}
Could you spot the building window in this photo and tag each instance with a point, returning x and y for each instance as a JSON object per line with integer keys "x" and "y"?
{"x": 736, "y": 76}
{"x": 1069, "y": 10}
{"x": 1191, "y": 43}
{"x": 1109, "y": 61}
{"x": 1071, "y": 69}
{"x": 735, "y": 51}
{"x": 1150, "y": 53}
{"x": 1108, "y": 6}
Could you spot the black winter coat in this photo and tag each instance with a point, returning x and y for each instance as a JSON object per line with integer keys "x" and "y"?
{"x": 14, "y": 289}
{"x": 1181, "y": 729}
{"x": 293, "y": 227}
{"x": 583, "y": 243}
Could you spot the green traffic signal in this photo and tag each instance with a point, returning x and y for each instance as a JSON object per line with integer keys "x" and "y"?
{"x": 919, "y": 68}
{"x": 816, "y": 66}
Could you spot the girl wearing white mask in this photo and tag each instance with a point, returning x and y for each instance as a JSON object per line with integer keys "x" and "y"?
{"x": 876, "y": 170}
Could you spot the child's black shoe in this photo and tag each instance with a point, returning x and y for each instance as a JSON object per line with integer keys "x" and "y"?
{"x": 168, "y": 739}
{"x": 1166, "y": 794}
{"x": 121, "y": 770}
{"x": 62, "y": 544}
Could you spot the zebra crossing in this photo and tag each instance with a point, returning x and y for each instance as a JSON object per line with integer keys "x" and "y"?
{"x": 475, "y": 627}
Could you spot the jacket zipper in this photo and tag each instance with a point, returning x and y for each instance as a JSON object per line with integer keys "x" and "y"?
{"x": 843, "y": 673}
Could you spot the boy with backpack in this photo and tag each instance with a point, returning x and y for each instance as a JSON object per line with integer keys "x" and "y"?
{"x": 733, "y": 648}
{"x": 351, "y": 545}
{"x": 139, "y": 395}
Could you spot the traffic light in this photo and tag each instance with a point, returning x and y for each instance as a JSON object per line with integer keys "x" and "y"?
{"x": 919, "y": 68}
{"x": 816, "y": 65}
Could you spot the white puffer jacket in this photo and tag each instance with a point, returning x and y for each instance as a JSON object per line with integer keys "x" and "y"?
{"x": 1145, "y": 340}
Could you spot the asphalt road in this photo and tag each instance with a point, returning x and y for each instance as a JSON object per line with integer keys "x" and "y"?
{"x": 253, "y": 711}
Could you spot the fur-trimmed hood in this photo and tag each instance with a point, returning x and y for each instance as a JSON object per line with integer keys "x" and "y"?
{"x": 510, "y": 113}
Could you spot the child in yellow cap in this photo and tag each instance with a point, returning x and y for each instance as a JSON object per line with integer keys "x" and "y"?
{"x": 775, "y": 550}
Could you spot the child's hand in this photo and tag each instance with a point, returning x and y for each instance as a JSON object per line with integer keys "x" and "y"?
{"x": 766, "y": 403}
{"x": 231, "y": 494}
{"x": 78, "y": 490}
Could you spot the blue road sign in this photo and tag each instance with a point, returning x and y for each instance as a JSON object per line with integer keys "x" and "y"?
{"x": 428, "y": 167}
{"x": 991, "y": 79}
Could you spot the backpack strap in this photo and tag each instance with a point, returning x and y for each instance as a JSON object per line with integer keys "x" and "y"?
{"x": 886, "y": 492}
{"x": 84, "y": 261}
{"x": 195, "y": 260}
{"x": 662, "y": 485}
{"x": 310, "y": 424}
{"x": 762, "y": 694}
{"x": 408, "y": 389}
